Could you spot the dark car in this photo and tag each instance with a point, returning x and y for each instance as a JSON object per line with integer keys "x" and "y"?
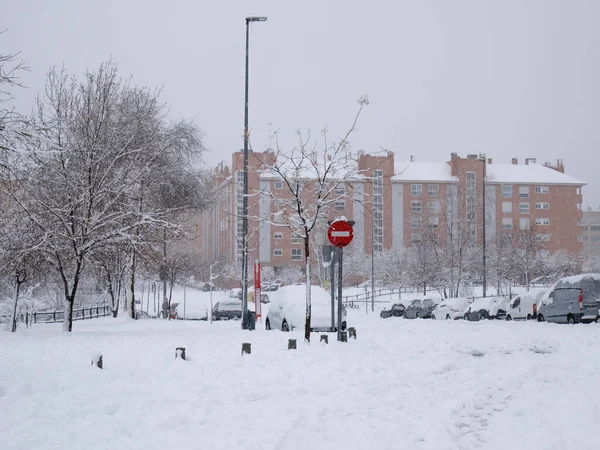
{"x": 230, "y": 309}
{"x": 487, "y": 308}
{"x": 397, "y": 310}
{"x": 420, "y": 308}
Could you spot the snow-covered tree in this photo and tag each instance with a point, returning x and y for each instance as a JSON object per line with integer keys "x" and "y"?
{"x": 96, "y": 169}
{"x": 310, "y": 173}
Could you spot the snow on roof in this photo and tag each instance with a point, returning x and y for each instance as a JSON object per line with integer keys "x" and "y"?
{"x": 423, "y": 171}
{"x": 575, "y": 279}
{"x": 527, "y": 174}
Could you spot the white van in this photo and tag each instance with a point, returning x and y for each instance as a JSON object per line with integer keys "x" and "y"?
{"x": 524, "y": 306}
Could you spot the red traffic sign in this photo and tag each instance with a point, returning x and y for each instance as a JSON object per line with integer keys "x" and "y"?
{"x": 340, "y": 233}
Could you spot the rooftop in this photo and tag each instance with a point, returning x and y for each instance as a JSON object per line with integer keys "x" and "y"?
{"x": 528, "y": 174}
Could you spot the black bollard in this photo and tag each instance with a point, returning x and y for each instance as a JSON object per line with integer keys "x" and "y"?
{"x": 344, "y": 336}
{"x": 246, "y": 348}
{"x": 352, "y": 332}
{"x": 324, "y": 338}
{"x": 180, "y": 351}
{"x": 97, "y": 360}
{"x": 291, "y": 344}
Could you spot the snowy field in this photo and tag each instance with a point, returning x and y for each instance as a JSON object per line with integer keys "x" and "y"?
{"x": 404, "y": 384}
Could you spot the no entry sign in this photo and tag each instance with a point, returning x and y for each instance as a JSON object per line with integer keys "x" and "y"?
{"x": 340, "y": 233}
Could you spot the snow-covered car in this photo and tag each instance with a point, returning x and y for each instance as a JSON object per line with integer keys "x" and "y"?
{"x": 396, "y": 310}
{"x": 420, "y": 308}
{"x": 287, "y": 309}
{"x": 450, "y": 309}
{"x": 235, "y": 293}
{"x": 227, "y": 309}
{"x": 487, "y": 308}
{"x": 524, "y": 306}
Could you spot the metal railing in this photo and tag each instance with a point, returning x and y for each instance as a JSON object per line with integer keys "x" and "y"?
{"x": 30, "y": 318}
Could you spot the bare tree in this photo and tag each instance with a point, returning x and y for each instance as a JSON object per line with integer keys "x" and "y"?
{"x": 525, "y": 255}
{"x": 81, "y": 179}
{"x": 310, "y": 175}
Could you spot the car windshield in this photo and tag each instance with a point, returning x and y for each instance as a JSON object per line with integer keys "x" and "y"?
{"x": 427, "y": 303}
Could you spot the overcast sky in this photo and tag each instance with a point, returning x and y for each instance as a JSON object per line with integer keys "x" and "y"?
{"x": 506, "y": 77}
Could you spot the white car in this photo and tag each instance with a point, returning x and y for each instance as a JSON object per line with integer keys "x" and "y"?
{"x": 487, "y": 308}
{"x": 450, "y": 309}
{"x": 524, "y": 306}
{"x": 287, "y": 309}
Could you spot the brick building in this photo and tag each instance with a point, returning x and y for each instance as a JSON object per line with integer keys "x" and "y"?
{"x": 391, "y": 200}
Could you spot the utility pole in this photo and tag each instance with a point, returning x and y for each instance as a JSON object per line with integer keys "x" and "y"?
{"x": 484, "y": 281}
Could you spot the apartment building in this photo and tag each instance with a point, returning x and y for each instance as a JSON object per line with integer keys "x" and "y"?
{"x": 390, "y": 201}
{"x": 590, "y": 232}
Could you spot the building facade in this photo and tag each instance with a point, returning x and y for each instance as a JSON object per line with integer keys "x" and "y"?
{"x": 390, "y": 201}
{"x": 590, "y": 233}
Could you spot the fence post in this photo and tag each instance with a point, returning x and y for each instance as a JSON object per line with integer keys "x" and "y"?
{"x": 54, "y": 315}
{"x": 34, "y": 317}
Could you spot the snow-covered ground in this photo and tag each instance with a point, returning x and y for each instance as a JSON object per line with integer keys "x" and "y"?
{"x": 403, "y": 384}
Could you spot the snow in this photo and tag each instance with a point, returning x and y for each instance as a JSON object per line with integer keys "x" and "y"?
{"x": 423, "y": 171}
{"x": 528, "y": 174}
{"x": 403, "y": 384}
{"x": 576, "y": 279}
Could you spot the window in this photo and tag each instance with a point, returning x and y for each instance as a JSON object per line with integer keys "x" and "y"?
{"x": 434, "y": 223}
{"x": 580, "y": 238}
{"x": 278, "y": 236}
{"x": 524, "y": 223}
{"x": 578, "y": 206}
{"x": 507, "y": 207}
{"x": 415, "y": 222}
{"x": 579, "y": 222}
{"x": 578, "y": 191}
{"x": 416, "y": 238}
{"x": 340, "y": 189}
{"x": 542, "y": 205}
{"x": 277, "y": 252}
{"x": 542, "y": 189}
{"x": 542, "y": 237}
{"x": 415, "y": 190}
{"x": 340, "y": 205}
{"x": 523, "y": 191}
{"x": 585, "y": 238}
{"x": 543, "y": 253}
{"x": 296, "y": 239}
{"x": 595, "y": 238}
{"x": 506, "y": 191}
{"x": 542, "y": 221}
{"x": 594, "y": 227}
{"x": 433, "y": 190}
{"x": 471, "y": 204}
{"x": 278, "y": 185}
{"x": 524, "y": 208}
{"x": 507, "y": 223}
{"x": 296, "y": 254}
{"x": 378, "y": 210}
{"x": 434, "y": 207}
{"x": 415, "y": 206}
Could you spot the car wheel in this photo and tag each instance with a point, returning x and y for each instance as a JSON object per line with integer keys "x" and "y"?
{"x": 448, "y": 317}
{"x": 267, "y": 324}
{"x": 570, "y": 320}
{"x": 466, "y": 317}
{"x": 541, "y": 318}
{"x": 529, "y": 317}
{"x": 285, "y": 326}
{"x": 508, "y": 317}
{"x": 481, "y": 316}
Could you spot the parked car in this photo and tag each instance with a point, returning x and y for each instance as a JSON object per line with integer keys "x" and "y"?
{"x": 524, "y": 306}
{"x": 288, "y": 309}
{"x": 450, "y": 309}
{"x": 487, "y": 308}
{"x": 206, "y": 286}
{"x": 396, "y": 310}
{"x": 235, "y": 293}
{"x": 420, "y": 308}
{"x": 572, "y": 300}
{"x": 229, "y": 309}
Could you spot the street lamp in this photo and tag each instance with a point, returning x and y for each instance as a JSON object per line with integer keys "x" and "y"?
{"x": 484, "y": 281}
{"x": 245, "y": 198}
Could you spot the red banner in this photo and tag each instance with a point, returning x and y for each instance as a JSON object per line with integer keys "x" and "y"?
{"x": 257, "y": 289}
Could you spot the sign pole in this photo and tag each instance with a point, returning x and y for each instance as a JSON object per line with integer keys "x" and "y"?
{"x": 339, "y": 311}
{"x": 332, "y": 288}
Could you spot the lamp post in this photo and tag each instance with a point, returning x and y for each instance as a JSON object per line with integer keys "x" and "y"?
{"x": 484, "y": 280}
{"x": 245, "y": 197}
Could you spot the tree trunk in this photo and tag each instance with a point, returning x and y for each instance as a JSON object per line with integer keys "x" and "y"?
{"x": 68, "y": 314}
{"x": 131, "y": 303}
{"x": 14, "y": 318}
{"x": 424, "y": 288}
{"x": 308, "y": 284}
